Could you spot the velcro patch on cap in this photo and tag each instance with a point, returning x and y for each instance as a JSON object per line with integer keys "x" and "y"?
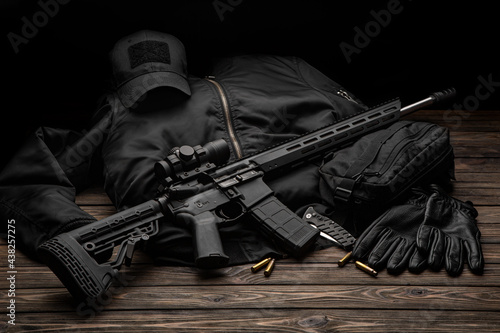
{"x": 148, "y": 51}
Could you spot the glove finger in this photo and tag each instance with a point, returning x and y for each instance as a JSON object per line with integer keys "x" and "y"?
{"x": 418, "y": 262}
{"x": 382, "y": 251}
{"x": 423, "y": 238}
{"x": 474, "y": 254}
{"x": 454, "y": 259}
{"x": 400, "y": 258}
{"x": 368, "y": 241}
{"x": 436, "y": 250}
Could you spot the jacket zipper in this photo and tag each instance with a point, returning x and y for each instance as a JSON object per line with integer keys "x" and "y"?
{"x": 344, "y": 94}
{"x": 227, "y": 116}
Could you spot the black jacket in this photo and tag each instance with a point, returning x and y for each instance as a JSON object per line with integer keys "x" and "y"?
{"x": 251, "y": 101}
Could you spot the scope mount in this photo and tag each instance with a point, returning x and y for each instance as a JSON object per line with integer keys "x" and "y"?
{"x": 187, "y": 162}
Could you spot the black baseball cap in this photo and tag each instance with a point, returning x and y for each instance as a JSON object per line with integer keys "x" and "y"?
{"x": 146, "y": 60}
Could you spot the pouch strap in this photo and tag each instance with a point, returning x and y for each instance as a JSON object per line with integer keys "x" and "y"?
{"x": 343, "y": 192}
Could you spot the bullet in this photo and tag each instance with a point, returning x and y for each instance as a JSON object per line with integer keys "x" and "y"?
{"x": 366, "y": 268}
{"x": 261, "y": 264}
{"x": 345, "y": 260}
{"x": 269, "y": 268}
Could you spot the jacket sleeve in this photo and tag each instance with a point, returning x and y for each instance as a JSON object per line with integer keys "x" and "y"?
{"x": 38, "y": 186}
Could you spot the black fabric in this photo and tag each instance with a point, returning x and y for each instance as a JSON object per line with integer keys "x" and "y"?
{"x": 148, "y": 51}
{"x": 38, "y": 186}
{"x": 382, "y": 166}
{"x": 363, "y": 180}
{"x": 343, "y": 192}
{"x": 270, "y": 99}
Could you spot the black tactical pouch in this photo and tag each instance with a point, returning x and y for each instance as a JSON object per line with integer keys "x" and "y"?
{"x": 380, "y": 167}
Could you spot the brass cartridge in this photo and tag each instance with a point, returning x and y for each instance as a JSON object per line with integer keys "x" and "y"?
{"x": 345, "y": 260}
{"x": 259, "y": 265}
{"x": 366, "y": 268}
{"x": 269, "y": 268}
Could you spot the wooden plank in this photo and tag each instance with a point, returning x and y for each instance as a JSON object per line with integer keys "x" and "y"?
{"x": 479, "y": 196}
{"x": 286, "y": 273}
{"x": 475, "y": 125}
{"x": 472, "y": 139}
{"x": 489, "y": 214}
{"x": 310, "y": 295}
{"x": 431, "y": 317}
{"x": 99, "y": 212}
{"x": 477, "y": 165}
{"x": 490, "y": 233}
{"x": 491, "y": 252}
{"x": 476, "y": 144}
{"x": 477, "y": 179}
{"x": 94, "y": 195}
{"x": 455, "y": 119}
{"x": 264, "y": 297}
{"x": 491, "y": 150}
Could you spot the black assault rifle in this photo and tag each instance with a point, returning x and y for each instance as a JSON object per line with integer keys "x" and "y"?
{"x": 203, "y": 193}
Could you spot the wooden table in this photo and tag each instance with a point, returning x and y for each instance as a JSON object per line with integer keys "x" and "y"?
{"x": 312, "y": 295}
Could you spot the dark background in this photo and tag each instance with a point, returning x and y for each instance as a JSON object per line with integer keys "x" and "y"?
{"x": 57, "y": 77}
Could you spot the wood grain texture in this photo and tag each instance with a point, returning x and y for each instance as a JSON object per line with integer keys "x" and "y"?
{"x": 308, "y": 295}
{"x": 431, "y": 318}
{"x": 271, "y": 297}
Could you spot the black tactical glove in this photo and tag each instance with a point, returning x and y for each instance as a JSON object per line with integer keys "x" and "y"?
{"x": 449, "y": 234}
{"x": 390, "y": 241}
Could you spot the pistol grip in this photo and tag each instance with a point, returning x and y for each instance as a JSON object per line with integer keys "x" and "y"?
{"x": 208, "y": 250}
{"x": 84, "y": 278}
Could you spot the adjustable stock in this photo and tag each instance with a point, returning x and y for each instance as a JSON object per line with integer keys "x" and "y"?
{"x": 80, "y": 257}
{"x": 78, "y": 271}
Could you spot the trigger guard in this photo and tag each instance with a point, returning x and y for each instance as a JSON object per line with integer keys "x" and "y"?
{"x": 230, "y": 212}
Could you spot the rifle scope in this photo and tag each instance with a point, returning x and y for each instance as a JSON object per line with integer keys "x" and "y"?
{"x": 186, "y": 158}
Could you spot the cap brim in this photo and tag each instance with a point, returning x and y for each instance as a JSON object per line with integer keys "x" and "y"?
{"x": 132, "y": 91}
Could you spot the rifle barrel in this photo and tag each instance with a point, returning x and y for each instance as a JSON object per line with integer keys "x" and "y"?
{"x": 436, "y": 97}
